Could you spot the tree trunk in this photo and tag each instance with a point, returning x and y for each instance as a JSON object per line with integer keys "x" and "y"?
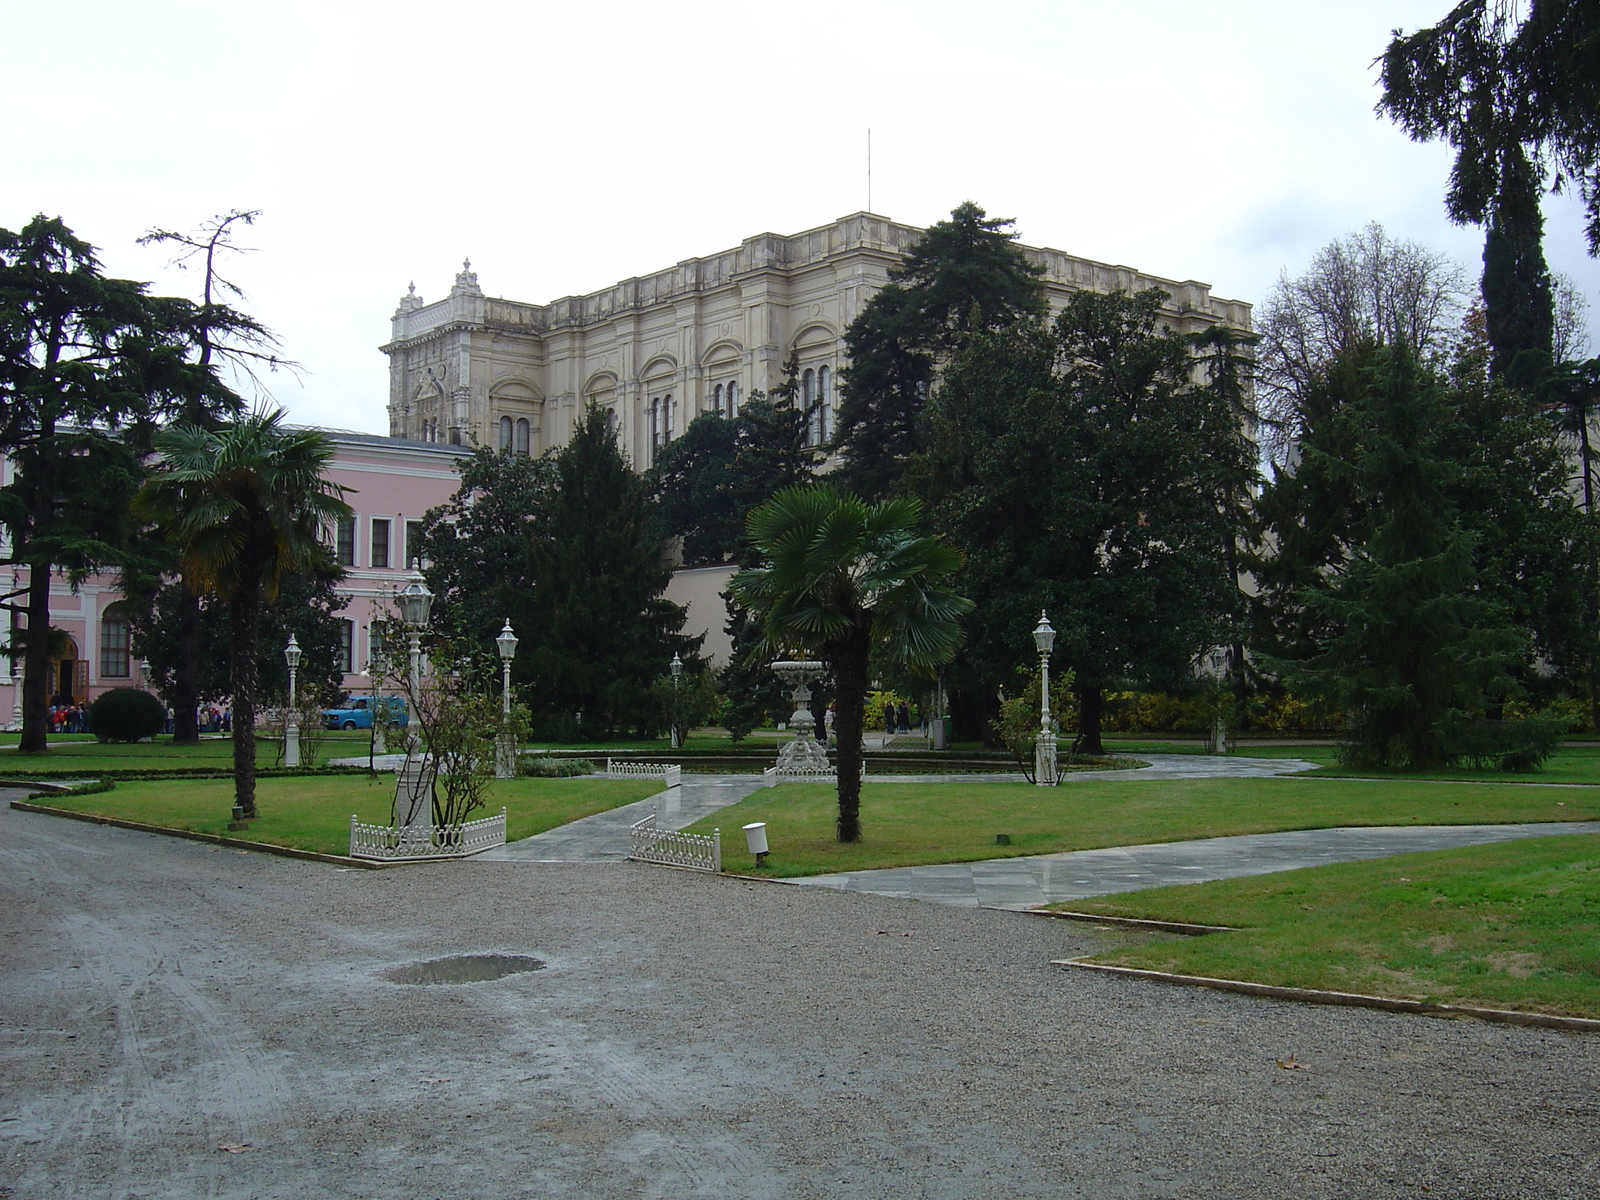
{"x": 848, "y": 658}
{"x": 1088, "y": 740}
{"x": 36, "y": 665}
{"x": 39, "y": 496}
{"x": 245, "y": 619}
{"x": 186, "y": 673}
{"x": 1591, "y": 583}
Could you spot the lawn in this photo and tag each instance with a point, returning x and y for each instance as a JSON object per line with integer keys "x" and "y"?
{"x": 1570, "y": 764}
{"x": 1514, "y": 925}
{"x": 313, "y": 812}
{"x": 908, "y": 824}
{"x": 80, "y": 752}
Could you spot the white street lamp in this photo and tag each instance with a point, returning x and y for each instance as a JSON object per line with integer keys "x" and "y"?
{"x": 1044, "y": 749}
{"x": 415, "y": 602}
{"x": 291, "y": 728}
{"x": 676, "y": 666}
{"x": 1214, "y": 665}
{"x": 505, "y": 759}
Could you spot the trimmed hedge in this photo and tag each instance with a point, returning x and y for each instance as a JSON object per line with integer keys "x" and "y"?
{"x": 126, "y": 715}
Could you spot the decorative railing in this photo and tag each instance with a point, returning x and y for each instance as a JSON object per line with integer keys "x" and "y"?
{"x": 671, "y": 773}
{"x": 417, "y": 842}
{"x": 773, "y": 776}
{"x": 669, "y": 848}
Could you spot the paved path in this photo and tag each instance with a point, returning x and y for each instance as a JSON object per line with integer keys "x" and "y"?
{"x": 180, "y": 1019}
{"x": 1027, "y": 882}
{"x": 604, "y": 836}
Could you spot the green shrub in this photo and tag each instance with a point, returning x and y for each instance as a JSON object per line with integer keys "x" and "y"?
{"x": 126, "y": 715}
{"x": 1503, "y": 745}
{"x": 554, "y": 768}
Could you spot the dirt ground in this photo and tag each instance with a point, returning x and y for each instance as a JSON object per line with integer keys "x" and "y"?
{"x": 178, "y": 1020}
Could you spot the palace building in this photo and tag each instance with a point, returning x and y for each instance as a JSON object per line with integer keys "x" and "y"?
{"x": 657, "y": 350}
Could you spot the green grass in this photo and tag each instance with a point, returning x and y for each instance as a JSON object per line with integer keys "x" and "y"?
{"x": 313, "y": 813}
{"x": 908, "y": 824}
{"x": 1570, "y": 764}
{"x": 75, "y": 752}
{"x": 1514, "y": 925}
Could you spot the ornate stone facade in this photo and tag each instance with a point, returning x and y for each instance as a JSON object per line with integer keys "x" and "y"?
{"x": 655, "y": 351}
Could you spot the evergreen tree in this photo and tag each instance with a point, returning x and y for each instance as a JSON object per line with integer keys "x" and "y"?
{"x": 964, "y": 275}
{"x": 87, "y": 364}
{"x": 705, "y": 483}
{"x": 595, "y": 631}
{"x": 1518, "y": 296}
{"x": 1504, "y": 472}
{"x": 475, "y": 546}
{"x": 1082, "y": 470}
{"x": 1513, "y": 97}
{"x": 1414, "y": 642}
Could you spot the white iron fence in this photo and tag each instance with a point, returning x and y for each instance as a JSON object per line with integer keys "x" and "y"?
{"x": 773, "y": 776}
{"x": 672, "y": 773}
{"x": 416, "y": 842}
{"x": 669, "y": 848}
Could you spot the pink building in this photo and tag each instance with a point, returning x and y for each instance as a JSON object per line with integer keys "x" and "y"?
{"x": 392, "y": 483}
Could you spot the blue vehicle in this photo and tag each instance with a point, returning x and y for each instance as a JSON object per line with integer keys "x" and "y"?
{"x": 358, "y": 711}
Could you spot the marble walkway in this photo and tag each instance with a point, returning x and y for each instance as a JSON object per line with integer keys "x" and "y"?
{"x": 1022, "y": 883}
{"x": 1028, "y": 882}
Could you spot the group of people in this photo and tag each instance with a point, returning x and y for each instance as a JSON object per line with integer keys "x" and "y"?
{"x": 69, "y": 718}
{"x": 896, "y": 719}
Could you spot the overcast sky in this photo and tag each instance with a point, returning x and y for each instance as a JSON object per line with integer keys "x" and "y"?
{"x": 566, "y": 146}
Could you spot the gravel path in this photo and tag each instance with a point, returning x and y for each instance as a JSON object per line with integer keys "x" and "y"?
{"x": 693, "y": 1036}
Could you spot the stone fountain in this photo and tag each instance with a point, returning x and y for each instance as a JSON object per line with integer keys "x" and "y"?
{"x": 803, "y": 755}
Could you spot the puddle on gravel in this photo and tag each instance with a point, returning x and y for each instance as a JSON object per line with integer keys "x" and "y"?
{"x": 463, "y": 968}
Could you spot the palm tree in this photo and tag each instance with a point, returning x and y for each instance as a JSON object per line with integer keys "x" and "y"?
{"x": 839, "y": 577}
{"x": 245, "y": 504}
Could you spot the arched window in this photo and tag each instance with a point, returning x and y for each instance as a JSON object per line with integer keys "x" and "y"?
{"x": 824, "y": 405}
{"x": 733, "y": 398}
{"x": 611, "y": 421}
{"x": 666, "y": 418}
{"x": 655, "y": 427}
{"x": 505, "y": 435}
{"x": 717, "y": 403}
{"x": 521, "y": 444}
{"x": 808, "y": 396}
{"x": 114, "y": 662}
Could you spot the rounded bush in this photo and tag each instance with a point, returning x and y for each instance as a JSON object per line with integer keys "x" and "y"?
{"x": 126, "y": 715}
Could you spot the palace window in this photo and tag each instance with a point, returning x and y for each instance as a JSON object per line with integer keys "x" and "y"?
{"x": 822, "y": 419}
{"x": 413, "y": 542}
{"x": 522, "y": 440}
{"x": 716, "y": 402}
{"x": 344, "y": 541}
{"x": 380, "y": 543}
{"x": 114, "y": 658}
{"x": 733, "y": 398}
{"x": 505, "y": 435}
{"x": 347, "y": 646}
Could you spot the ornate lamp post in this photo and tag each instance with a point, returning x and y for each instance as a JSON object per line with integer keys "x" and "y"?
{"x": 505, "y": 751}
{"x": 676, "y": 666}
{"x": 291, "y": 727}
{"x": 415, "y": 602}
{"x": 1044, "y": 749}
{"x": 1214, "y": 665}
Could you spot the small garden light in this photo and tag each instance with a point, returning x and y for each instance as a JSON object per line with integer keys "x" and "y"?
{"x": 755, "y": 837}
